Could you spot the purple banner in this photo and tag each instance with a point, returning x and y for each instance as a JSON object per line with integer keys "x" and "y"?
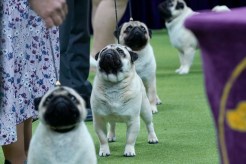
{"x": 222, "y": 39}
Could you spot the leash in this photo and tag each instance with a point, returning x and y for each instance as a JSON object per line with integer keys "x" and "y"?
{"x": 116, "y": 16}
{"x": 38, "y": 99}
{"x": 130, "y": 9}
{"x": 116, "y": 19}
{"x": 53, "y": 60}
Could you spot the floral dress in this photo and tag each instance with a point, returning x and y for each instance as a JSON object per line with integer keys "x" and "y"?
{"x": 26, "y": 65}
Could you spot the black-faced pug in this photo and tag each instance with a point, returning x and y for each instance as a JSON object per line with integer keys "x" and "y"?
{"x": 175, "y": 12}
{"x": 118, "y": 95}
{"x": 61, "y": 136}
{"x": 136, "y": 35}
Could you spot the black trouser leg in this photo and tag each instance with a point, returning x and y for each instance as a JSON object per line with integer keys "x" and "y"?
{"x": 75, "y": 46}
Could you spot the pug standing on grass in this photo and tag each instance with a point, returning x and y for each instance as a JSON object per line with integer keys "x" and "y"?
{"x": 118, "y": 95}
{"x": 175, "y": 12}
{"x": 136, "y": 35}
{"x": 61, "y": 136}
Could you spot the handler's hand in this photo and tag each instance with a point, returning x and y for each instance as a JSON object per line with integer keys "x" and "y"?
{"x": 53, "y": 12}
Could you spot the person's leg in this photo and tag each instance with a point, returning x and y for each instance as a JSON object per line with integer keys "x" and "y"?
{"x": 104, "y": 22}
{"x": 79, "y": 48}
{"x": 95, "y": 4}
{"x": 75, "y": 57}
{"x": 15, "y": 152}
{"x": 27, "y": 134}
{"x": 64, "y": 34}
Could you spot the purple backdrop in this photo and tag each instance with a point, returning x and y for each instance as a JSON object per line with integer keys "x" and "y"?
{"x": 222, "y": 42}
{"x": 147, "y": 11}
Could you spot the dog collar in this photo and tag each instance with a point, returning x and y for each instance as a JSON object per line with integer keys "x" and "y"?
{"x": 63, "y": 129}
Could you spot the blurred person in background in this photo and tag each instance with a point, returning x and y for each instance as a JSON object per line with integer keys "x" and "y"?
{"x": 103, "y": 23}
{"x": 75, "y": 50}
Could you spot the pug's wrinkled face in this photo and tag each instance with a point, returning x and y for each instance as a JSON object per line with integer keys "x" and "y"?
{"x": 61, "y": 108}
{"x": 170, "y": 9}
{"x": 115, "y": 61}
{"x": 134, "y": 34}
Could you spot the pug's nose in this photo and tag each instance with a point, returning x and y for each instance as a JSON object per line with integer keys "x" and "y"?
{"x": 137, "y": 31}
{"x": 108, "y": 54}
{"x": 61, "y": 112}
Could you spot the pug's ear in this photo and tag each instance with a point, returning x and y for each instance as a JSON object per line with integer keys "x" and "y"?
{"x": 97, "y": 55}
{"x": 134, "y": 56}
{"x": 117, "y": 32}
{"x": 150, "y": 33}
{"x": 37, "y": 102}
{"x": 84, "y": 110}
{"x": 179, "y": 6}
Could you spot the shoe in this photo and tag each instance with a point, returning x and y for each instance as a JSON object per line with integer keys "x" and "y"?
{"x": 89, "y": 115}
{"x": 7, "y": 162}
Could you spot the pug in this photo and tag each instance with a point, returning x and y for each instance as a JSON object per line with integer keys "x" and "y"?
{"x": 118, "y": 95}
{"x": 136, "y": 35}
{"x": 175, "y": 13}
{"x": 61, "y": 136}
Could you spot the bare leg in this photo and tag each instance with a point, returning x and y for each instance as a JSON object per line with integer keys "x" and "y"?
{"x": 27, "y": 133}
{"x": 104, "y": 22}
{"x": 16, "y": 152}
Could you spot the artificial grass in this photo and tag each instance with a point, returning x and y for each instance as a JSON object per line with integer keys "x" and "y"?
{"x": 183, "y": 125}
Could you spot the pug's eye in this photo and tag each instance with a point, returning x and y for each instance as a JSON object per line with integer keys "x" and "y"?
{"x": 73, "y": 99}
{"x": 103, "y": 49}
{"x": 170, "y": 3}
{"x": 120, "y": 51}
{"x": 143, "y": 29}
{"x": 48, "y": 99}
{"x": 128, "y": 29}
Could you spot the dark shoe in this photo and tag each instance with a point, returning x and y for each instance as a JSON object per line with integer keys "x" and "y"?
{"x": 88, "y": 108}
{"x": 7, "y": 162}
{"x": 89, "y": 115}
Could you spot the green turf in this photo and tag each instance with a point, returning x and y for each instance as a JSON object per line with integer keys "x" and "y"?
{"x": 183, "y": 125}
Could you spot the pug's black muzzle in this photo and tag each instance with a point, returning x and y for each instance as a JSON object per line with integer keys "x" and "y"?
{"x": 61, "y": 112}
{"x": 164, "y": 9}
{"x": 136, "y": 39}
{"x": 110, "y": 61}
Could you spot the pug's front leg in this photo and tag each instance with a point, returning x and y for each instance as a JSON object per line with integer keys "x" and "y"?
{"x": 101, "y": 129}
{"x": 187, "y": 56}
{"x": 152, "y": 94}
{"x": 131, "y": 136}
{"x": 111, "y": 133}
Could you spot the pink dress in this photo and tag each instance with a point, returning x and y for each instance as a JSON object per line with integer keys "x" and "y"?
{"x": 26, "y": 65}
